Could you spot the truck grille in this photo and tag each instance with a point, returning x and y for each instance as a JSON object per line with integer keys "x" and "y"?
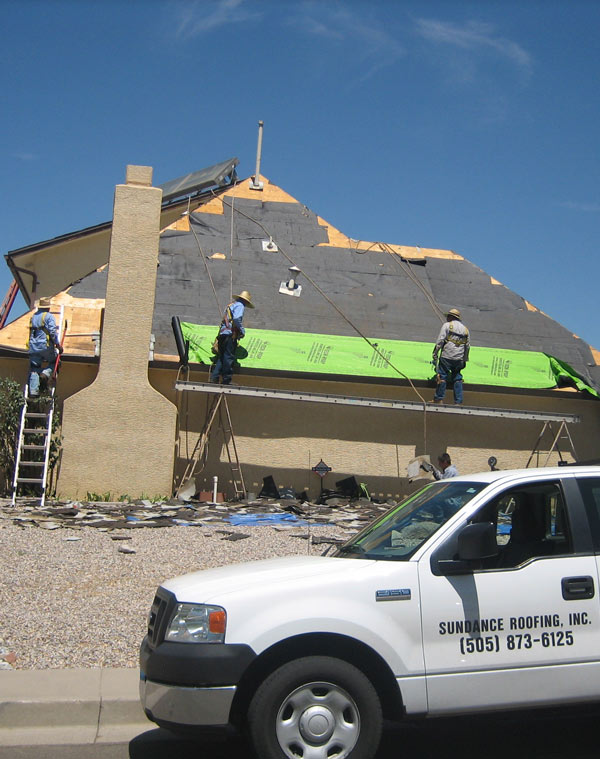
{"x": 160, "y": 614}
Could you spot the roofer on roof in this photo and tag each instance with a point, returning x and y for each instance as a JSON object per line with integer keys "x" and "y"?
{"x": 230, "y": 331}
{"x": 453, "y": 343}
{"x": 43, "y": 344}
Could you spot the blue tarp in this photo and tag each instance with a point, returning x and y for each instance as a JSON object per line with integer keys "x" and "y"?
{"x": 254, "y": 519}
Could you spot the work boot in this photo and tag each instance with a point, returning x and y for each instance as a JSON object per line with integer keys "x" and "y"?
{"x": 438, "y": 400}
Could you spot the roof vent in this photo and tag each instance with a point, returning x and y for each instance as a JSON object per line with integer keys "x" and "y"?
{"x": 291, "y": 287}
{"x": 255, "y": 183}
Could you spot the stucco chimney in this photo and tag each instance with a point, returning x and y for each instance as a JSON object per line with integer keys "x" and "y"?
{"x": 119, "y": 433}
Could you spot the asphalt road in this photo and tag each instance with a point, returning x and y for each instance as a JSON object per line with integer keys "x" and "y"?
{"x": 555, "y": 734}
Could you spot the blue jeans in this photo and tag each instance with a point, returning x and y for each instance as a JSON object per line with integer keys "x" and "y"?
{"x": 449, "y": 371}
{"x": 223, "y": 366}
{"x": 36, "y": 362}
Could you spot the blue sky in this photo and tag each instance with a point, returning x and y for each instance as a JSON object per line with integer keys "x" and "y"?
{"x": 471, "y": 126}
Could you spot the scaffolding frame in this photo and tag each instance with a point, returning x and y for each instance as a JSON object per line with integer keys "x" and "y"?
{"x": 221, "y": 392}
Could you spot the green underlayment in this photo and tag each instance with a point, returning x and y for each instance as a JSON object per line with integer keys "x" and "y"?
{"x": 335, "y": 354}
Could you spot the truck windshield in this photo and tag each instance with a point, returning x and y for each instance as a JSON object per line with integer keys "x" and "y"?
{"x": 403, "y": 530}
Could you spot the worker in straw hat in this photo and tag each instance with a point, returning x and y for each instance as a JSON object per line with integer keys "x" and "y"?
{"x": 43, "y": 345}
{"x": 230, "y": 331}
{"x": 452, "y": 346}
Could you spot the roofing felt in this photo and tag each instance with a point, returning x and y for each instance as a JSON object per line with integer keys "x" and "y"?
{"x": 353, "y": 356}
{"x": 382, "y": 294}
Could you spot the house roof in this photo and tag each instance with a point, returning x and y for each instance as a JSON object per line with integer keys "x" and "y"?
{"x": 45, "y": 268}
{"x": 380, "y": 290}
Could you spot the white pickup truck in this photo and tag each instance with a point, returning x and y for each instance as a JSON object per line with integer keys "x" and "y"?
{"x": 476, "y": 593}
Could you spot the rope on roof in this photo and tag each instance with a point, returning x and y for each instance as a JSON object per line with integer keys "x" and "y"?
{"x": 210, "y": 279}
{"x": 413, "y": 277}
{"x": 331, "y": 303}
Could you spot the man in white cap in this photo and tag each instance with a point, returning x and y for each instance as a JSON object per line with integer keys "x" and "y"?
{"x": 453, "y": 346}
{"x": 43, "y": 344}
{"x": 230, "y": 331}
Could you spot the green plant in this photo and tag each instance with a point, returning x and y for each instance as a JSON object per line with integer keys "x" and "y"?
{"x": 11, "y": 403}
{"x": 98, "y": 497}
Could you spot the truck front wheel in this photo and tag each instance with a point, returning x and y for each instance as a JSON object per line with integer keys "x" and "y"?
{"x": 317, "y": 707}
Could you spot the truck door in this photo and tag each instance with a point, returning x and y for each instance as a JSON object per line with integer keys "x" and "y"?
{"x": 520, "y": 628}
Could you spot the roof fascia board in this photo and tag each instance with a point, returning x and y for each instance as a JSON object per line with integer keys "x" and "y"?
{"x": 61, "y": 261}
{"x": 161, "y": 364}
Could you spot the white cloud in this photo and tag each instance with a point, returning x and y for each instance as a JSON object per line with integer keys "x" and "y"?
{"x": 474, "y": 37}
{"x": 371, "y": 42}
{"x": 25, "y": 156}
{"x": 200, "y": 16}
{"x": 585, "y": 207}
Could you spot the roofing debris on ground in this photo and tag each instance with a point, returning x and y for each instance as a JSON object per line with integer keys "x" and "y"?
{"x": 128, "y": 515}
{"x": 79, "y": 577}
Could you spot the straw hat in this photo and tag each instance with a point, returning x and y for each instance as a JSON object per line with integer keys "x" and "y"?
{"x": 454, "y": 312}
{"x": 245, "y": 296}
{"x": 43, "y": 303}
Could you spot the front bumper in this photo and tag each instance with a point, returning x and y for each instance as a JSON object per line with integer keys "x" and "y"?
{"x": 191, "y": 684}
{"x": 190, "y": 707}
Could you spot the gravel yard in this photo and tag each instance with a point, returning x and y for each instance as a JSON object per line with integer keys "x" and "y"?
{"x": 71, "y": 598}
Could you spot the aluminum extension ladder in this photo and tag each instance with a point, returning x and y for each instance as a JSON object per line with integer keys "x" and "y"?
{"x": 237, "y": 478}
{"x": 235, "y": 468}
{"x": 35, "y": 436}
{"x": 35, "y": 433}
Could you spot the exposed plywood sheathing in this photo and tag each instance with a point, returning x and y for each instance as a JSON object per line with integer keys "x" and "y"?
{"x": 270, "y": 193}
{"x": 82, "y": 316}
{"x": 340, "y": 240}
{"x": 181, "y": 225}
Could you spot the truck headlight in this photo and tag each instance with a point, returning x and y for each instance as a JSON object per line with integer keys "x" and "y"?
{"x": 197, "y": 623}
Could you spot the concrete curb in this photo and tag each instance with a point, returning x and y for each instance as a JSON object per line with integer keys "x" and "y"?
{"x": 70, "y": 706}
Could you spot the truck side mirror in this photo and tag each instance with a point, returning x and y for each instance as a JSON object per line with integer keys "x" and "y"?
{"x": 475, "y": 542}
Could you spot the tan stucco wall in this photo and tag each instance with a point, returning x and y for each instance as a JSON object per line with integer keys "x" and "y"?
{"x": 286, "y": 438}
{"x": 118, "y": 432}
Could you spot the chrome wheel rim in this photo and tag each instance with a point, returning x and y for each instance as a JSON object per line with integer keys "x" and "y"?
{"x": 318, "y": 720}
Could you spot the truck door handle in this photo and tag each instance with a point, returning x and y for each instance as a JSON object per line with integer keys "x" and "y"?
{"x": 576, "y": 588}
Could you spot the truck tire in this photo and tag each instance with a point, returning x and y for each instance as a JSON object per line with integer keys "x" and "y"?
{"x": 317, "y": 707}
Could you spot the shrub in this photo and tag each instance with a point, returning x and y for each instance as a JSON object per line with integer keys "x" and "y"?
{"x": 11, "y": 403}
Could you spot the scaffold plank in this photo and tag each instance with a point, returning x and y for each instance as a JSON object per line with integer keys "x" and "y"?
{"x": 384, "y": 403}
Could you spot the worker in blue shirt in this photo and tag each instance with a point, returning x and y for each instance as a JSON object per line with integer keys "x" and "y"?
{"x": 230, "y": 331}
{"x": 43, "y": 346}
